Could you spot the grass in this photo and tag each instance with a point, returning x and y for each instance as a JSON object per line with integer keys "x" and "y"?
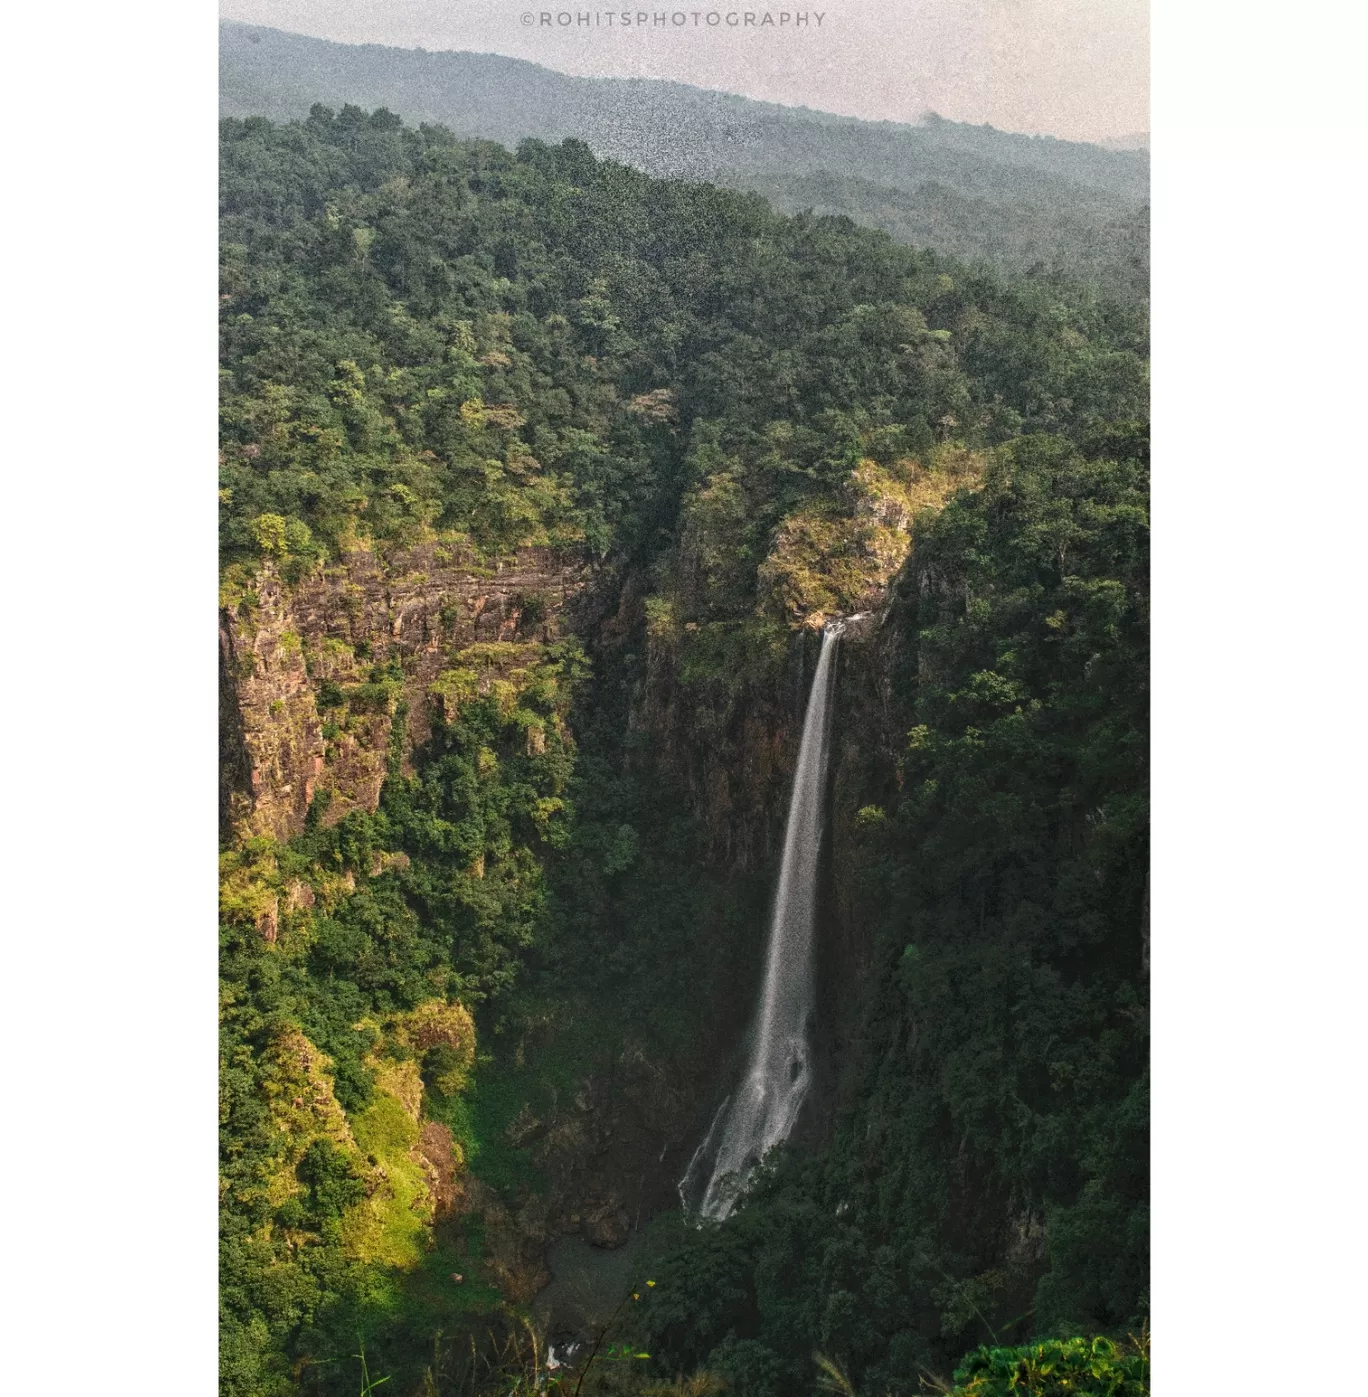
{"x": 391, "y": 1227}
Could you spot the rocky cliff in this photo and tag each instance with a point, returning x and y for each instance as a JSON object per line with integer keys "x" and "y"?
{"x": 330, "y": 676}
{"x": 315, "y": 672}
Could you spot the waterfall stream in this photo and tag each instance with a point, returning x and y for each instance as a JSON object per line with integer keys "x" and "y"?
{"x": 763, "y": 1109}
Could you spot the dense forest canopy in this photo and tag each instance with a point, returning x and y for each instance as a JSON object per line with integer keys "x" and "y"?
{"x": 974, "y": 192}
{"x": 721, "y": 407}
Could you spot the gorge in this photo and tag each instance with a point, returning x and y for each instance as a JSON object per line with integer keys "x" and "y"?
{"x": 539, "y": 479}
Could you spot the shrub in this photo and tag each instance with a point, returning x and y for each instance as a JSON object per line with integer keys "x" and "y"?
{"x": 1074, "y": 1367}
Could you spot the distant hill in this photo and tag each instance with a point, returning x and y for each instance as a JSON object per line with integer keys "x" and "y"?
{"x": 970, "y": 191}
{"x": 1134, "y": 140}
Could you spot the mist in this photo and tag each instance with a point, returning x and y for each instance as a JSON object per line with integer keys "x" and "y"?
{"x": 1077, "y": 69}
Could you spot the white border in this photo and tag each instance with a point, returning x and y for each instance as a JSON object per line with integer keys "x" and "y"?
{"x": 109, "y": 706}
{"x": 1258, "y": 147}
{"x": 110, "y": 1168}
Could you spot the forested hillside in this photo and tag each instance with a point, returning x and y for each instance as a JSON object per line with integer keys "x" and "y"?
{"x": 538, "y": 474}
{"x": 973, "y": 192}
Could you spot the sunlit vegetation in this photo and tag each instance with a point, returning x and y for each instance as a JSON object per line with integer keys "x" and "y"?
{"x": 747, "y": 422}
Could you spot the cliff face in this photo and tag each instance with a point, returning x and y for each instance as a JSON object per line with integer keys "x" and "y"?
{"x": 730, "y": 656}
{"x": 864, "y": 767}
{"x": 315, "y": 672}
{"x": 732, "y": 754}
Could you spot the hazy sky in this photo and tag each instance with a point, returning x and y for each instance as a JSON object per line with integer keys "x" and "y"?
{"x": 1073, "y": 68}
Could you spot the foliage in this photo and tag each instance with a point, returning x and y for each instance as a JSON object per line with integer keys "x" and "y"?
{"x": 989, "y": 1167}
{"x": 421, "y": 334}
{"x": 1020, "y": 203}
{"x": 751, "y": 421}
{"x": 412, "y": 913}
{"x": 1057, "y": 1368}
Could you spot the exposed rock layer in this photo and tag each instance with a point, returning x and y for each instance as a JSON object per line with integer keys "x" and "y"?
{"x": 336, "y": 627}
{"x": 611, "y": 1155}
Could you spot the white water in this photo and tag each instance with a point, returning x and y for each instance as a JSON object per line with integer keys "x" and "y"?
{"x": 762, "y": 1111}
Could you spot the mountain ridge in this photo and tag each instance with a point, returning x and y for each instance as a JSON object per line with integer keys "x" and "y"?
{"x": 972, "y": 192}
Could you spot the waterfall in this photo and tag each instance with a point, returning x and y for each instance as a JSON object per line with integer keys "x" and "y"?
{"x": 763, "y": 1109}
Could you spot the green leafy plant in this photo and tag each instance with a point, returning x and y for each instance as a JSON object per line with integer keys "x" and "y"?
{"x": 1076, "y": 1367}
